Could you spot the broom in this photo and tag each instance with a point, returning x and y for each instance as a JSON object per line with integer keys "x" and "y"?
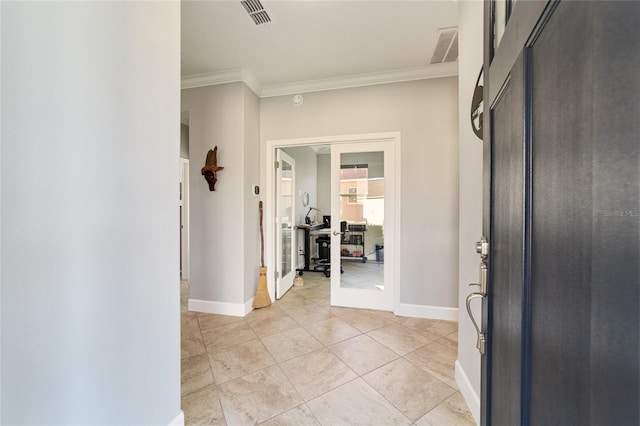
{"x": 262, "y": 298}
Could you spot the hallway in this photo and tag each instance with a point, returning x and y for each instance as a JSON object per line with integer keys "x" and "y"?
{"x": 301, "y": 361}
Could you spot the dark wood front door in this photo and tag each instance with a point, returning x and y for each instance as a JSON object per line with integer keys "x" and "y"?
{"x": 562, "y": 204}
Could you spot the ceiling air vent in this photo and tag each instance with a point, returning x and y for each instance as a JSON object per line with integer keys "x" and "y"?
{"x": 446, "y": 49}
{"x": 255, "y": 9}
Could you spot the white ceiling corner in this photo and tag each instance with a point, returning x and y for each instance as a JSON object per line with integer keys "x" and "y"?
{"x": 251, "y": 81}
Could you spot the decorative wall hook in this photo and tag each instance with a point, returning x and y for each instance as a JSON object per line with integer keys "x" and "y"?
{"x": 477, "y": 106}
{"x": 210, "y": 169}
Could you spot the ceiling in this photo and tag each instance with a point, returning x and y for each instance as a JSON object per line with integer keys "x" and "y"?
{"x": 333, "y": 42}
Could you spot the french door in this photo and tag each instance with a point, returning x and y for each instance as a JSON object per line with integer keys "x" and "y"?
{"x": 285, "y": 226}
{"x": 561, "y": 310}
{"x": 363, "y": 214}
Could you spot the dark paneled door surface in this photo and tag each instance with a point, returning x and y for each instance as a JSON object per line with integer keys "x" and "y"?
{"x": 562, "y": 189}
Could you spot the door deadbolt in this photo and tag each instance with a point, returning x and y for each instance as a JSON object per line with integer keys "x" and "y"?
{"x": 482, "y": 247}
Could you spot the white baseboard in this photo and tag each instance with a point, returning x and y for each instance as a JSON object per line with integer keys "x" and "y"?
{"x": 424, "y": 311}
{"x": 221, "y": 308}
{"x": 179, "y": 420}
{"x": 248, "y": 306}
{"x": 470, "y": 396}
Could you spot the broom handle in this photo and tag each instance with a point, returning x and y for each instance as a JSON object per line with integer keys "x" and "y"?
{"x": 261, "y": 237}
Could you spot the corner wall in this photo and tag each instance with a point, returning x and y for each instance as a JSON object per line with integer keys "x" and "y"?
{"x": 224, "y": 243}
{"x": 216, "y": 118}
{"x": 425, "y": 113}
{"x": 470, "y": 32}
{"x": 89, "y": 172}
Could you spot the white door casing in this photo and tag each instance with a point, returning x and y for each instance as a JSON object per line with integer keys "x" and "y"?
{"x": 392, "y": 230}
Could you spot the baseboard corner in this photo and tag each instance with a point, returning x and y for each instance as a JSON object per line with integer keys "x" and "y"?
{"x": 178, "y": 420}
{"x": 220, "y": 308}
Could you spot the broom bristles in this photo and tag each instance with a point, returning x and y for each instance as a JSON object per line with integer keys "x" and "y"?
{"x": 262, "y": 298}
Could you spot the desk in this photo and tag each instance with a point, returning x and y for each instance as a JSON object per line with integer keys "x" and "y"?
{"x": 309, "y": 230}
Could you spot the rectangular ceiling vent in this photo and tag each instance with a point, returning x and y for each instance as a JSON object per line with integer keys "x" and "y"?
{"x": 255, "y": 9}
{"x": 446, "y": 49}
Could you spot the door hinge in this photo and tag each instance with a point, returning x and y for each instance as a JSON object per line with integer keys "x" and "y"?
{"x": 276, "y": 164}
{"x": 276, "y": 275}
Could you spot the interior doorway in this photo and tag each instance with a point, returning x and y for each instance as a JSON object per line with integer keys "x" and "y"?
{"x": 183, "y": 199}
{"x": 184, "y": 219}
{"x": 325, "y": 230}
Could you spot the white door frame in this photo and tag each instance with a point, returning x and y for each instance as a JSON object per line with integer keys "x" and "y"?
{"x": 269, "y": 195}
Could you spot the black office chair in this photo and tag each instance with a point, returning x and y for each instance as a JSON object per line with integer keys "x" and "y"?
{"x": 324, "y": 255}
{"x": 324, "y": 251}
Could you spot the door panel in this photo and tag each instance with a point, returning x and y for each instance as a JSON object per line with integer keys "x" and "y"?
{"x": 615, "y": 280}
{"x": 508, "y": 267}
{"x": 562, "y": 215}
{"x": 568, "y": 294}
{"x": 589, "y": 121}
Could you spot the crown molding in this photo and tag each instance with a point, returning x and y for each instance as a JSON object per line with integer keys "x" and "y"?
{"x": 211, "y": 79}
{"x": 244, "y": 75}
{"x": 222, "y": 77}
{"x": 407, "y": 74}
{"x": 251, "y": 81}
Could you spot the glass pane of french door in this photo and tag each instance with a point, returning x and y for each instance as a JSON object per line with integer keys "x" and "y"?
{"x": 285, "y": 245}
{"x": 360, "y": 174}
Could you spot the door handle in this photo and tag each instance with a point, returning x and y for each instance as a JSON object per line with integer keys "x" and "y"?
{"x": 482, "y": 248}
{"x": 336, "y": 233}
{"x": 481, "y": 340}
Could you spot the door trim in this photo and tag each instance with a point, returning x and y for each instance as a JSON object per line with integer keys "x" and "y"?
{"x": 269, "y": 194}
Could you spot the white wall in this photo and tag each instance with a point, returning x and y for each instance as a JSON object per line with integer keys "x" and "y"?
{"x": 324, "y": 182}
{"x": 224, "y": 223}
{"x": 425, "y": 113}
{"x": 216, "y": 119}
{"x": 1, "y": 138}
{"x": 90, "y": 161}
{"x": 470, "y": 16}
{"x": 251, "y": 211}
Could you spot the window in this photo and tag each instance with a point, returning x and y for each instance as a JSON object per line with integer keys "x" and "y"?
{"x": 352, "y": 195}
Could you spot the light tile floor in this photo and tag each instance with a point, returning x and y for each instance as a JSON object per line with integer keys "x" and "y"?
{"x": 302, "y": 362}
